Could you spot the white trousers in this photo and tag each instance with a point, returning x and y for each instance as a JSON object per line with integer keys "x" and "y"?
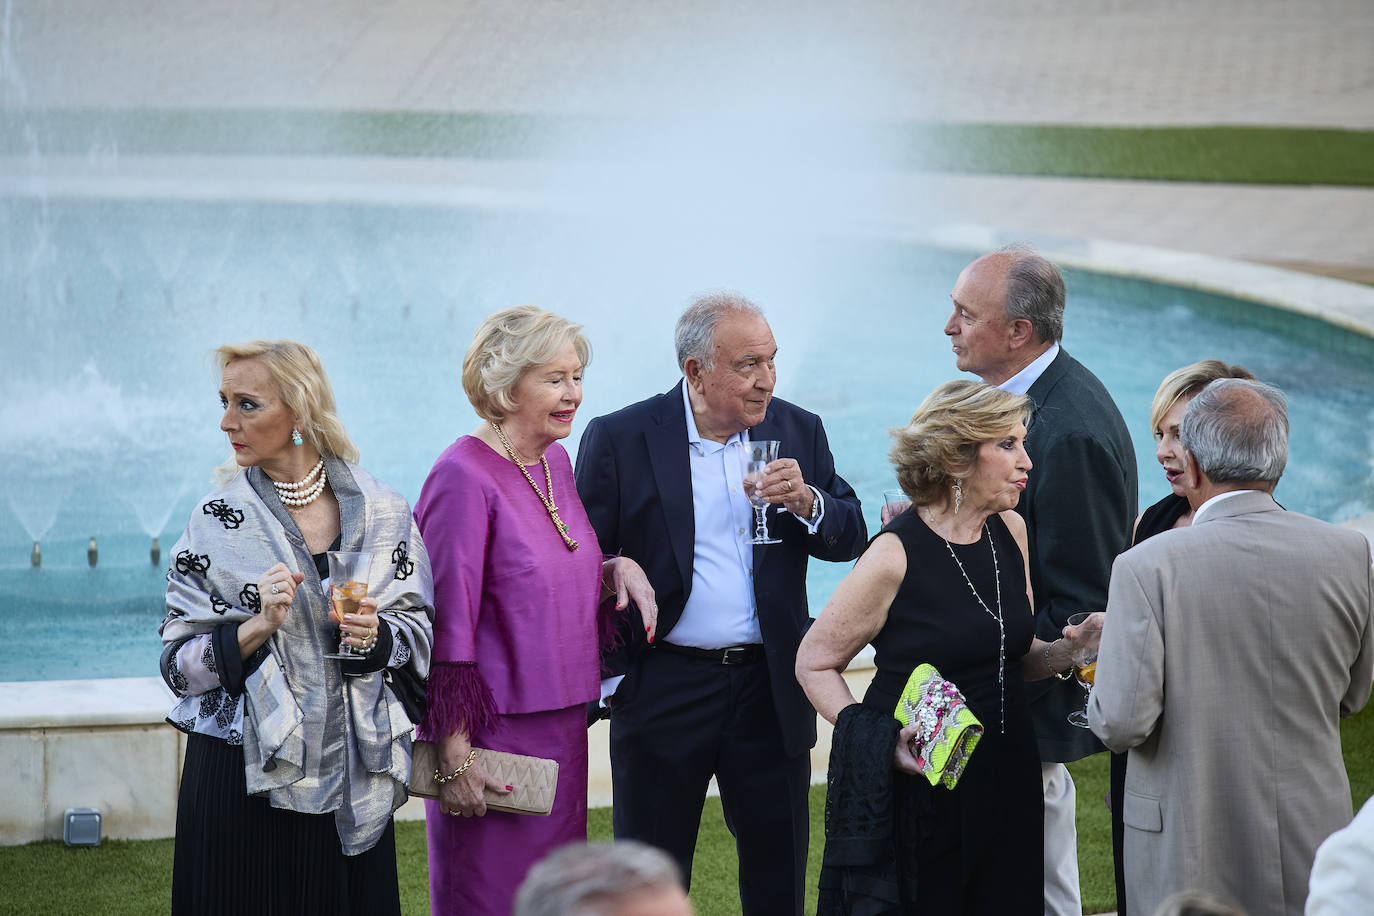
{"x": 1062, "y": 897}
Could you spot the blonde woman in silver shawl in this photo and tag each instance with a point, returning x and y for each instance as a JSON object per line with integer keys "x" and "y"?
{"x": 294, "y": 762}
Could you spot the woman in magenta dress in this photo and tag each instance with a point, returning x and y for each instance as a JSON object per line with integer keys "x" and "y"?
{"x": 517, "y": 580}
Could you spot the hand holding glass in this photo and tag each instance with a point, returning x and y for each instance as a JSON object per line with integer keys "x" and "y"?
{"x": 895, "y": 502}
{"x": 1087, "y": 636}
{"x": 754, "y": 459}
{"x": 347, "y": 587}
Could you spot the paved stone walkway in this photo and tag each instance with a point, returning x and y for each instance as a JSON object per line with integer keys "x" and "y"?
{"x": 1163, "y": 62}
{"x": 1125, "y": 62}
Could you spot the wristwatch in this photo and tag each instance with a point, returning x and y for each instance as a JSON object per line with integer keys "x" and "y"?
{"x": 815, "y": 504}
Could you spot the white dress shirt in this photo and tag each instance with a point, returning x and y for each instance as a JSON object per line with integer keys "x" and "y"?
{"x": 1020, "y": 382}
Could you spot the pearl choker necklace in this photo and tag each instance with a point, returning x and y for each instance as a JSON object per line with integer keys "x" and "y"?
{"x": 304, "y": 491}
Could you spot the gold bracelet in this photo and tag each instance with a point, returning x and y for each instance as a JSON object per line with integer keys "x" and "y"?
{"x": 472, "y": 755}
{"x": 1058, "y": 675}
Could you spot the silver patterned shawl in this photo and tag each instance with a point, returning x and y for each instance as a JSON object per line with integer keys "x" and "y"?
{"x": 314, "y": 740}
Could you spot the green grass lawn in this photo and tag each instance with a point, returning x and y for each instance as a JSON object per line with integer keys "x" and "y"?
{"x": 1271, "y": 155}
{"x": 133, "y": 878}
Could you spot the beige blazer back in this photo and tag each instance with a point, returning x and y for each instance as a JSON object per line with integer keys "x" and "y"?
{"x": 1231, "y": 651}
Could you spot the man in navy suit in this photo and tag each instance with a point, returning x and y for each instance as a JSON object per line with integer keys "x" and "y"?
{"x": 715, "y": 693}
{"x": 1007, "y": 322}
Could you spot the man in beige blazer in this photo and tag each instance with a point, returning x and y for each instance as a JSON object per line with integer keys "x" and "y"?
{"x": 1230, "y": 651}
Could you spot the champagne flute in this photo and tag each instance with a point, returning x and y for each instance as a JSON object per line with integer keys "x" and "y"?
{"x": 895, "y": 502}
{"x": 754, "y": 458}
{"x": 1084, "y": 666}
{"x": 347, "y": 588}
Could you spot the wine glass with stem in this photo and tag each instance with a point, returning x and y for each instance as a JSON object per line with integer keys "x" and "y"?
{"x": 347, "y": 587}
{"x": 1085, "y": 663}
{"x": 754, "y": 458}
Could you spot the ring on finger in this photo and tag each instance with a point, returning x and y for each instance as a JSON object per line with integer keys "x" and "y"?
{"x": 276, "y": 589}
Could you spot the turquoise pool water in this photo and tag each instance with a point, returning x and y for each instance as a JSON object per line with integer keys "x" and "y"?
{"x": 110, "y": 424}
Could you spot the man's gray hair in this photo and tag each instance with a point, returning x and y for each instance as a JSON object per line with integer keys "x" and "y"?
{"x": 1237, "y": 431}
{"x": 592, "y": 879}
{"x": 696, "y": 329}
{"x": 1035, "y": 292}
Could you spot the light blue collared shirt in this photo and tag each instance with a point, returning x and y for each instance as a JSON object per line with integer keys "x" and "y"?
{"x": 720, "y": 610}
{"x": 1020, "y": 382}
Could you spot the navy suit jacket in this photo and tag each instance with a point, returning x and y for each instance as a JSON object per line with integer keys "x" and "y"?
{"x": 635, "y": 480}
{"x": 1078, "y": 508}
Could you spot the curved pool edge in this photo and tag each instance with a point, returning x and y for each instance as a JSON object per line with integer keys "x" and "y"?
{"x": 502, "y": 184}
{"x": 1346, "y": 305}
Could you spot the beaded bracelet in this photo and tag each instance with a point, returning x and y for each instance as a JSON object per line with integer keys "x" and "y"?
{"x": 472, "y": 755}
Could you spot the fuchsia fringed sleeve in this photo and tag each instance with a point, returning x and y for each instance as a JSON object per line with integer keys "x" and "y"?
{"x": 459, "y": 700}
{"x": 609, "y": 620}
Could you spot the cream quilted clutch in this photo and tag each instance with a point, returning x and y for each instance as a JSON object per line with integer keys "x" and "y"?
{"x": 535, "y": 778}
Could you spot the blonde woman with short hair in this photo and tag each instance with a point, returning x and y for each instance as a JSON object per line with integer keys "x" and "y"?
{"x": 517, "y": 575}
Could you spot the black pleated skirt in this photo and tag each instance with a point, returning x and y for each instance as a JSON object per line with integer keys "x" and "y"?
{"x": 236, "y": 854}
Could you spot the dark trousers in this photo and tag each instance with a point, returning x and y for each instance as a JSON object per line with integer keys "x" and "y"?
{"x": 675, "y": 722}
{"x": 1118, "y": 796}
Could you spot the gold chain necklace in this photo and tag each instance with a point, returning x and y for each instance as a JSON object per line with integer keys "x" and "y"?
{"x": 558, "y": 523}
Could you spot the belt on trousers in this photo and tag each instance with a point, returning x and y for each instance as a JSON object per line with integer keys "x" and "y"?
{"x": 731, "y": 655}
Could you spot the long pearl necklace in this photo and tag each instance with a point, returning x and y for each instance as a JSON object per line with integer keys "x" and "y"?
{"x": 558, "y": 523}
{"x": 304, "y": 491}
{"x": 1001, "y": 627}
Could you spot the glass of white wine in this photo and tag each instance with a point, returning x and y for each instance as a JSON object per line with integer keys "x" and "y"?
{"x": 754, "y": 458}
{"x": 347, "y": 588}
{"x": 1085, "y": 661}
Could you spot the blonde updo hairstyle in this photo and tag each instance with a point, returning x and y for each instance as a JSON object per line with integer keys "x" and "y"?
{"x": 1185, "y": 383}
{"x": 508, "y": 344}
{"x": 940, "y": 444}
{"x": 299, "y": 379}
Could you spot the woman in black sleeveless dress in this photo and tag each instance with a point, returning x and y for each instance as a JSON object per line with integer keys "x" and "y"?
{"x": 1173, "y": 511}
{"x": 945, "y": 583}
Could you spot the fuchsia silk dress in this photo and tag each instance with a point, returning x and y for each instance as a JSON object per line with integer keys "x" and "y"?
{"x": 515, "y": 657}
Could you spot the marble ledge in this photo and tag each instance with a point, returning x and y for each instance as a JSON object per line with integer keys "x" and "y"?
{"x": 84, "y": 703}
{"x": 101, "y": 703}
